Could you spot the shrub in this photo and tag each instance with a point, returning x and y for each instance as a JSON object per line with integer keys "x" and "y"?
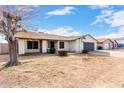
{"x": 62, "y": 52}
{"x": 85, "y": 51}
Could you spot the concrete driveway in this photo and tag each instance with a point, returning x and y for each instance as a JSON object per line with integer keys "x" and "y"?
{"x": 111, "y": 53}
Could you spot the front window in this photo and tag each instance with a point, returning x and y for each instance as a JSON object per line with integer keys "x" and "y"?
{"x": 61, "y": 44}
{"x": 32, "y": 44}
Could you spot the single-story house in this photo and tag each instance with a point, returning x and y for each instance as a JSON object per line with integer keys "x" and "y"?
{"x": 115, "y": 43}
{"x": 106, "y": 43}
{"x": 29, "y": 42}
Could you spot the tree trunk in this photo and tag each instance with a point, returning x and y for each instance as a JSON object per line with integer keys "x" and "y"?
{"x": 13, "y": 53}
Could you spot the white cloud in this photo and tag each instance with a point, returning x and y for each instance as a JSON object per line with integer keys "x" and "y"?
{"x": 121, "y": 30}
{"x": 63, "y": 11}
{"x": 104, "y": 17}
{"x": 110, "y": 17}
{"x": 118, "y": 34}
{"x": 117, "y": 19}
{"x": 99, "y": 6}
{"x": 63, "y": 31}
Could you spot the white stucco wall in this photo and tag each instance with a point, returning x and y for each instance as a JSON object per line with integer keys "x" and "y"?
{"x": 21, "y": 46}
{"x": 66, "y": 45}
{"x": 78, "y": 46}
{"x": 107, "y": 44}
{"x": 44, "y": 46}
{"x": 72, "y": 46}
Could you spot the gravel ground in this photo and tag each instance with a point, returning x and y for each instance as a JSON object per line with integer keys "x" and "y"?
{"x": 80, "y": 71}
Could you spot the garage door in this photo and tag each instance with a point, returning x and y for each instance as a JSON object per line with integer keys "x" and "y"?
{"x": 88, "y": 46}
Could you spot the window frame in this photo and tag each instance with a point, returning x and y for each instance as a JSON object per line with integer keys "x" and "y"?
{"x": 33, "y": 45}
{"x": 61, "y": 45}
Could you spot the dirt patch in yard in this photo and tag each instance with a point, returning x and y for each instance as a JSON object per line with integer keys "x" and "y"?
{"x": 71, "y": 71}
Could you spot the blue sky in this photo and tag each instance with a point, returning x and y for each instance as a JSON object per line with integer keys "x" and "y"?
{"x": 99, "y": 21}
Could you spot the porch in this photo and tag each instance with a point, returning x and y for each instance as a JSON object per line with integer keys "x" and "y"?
{"x": 27, "y": 46}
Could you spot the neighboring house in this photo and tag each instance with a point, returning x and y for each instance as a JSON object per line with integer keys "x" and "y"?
{"x": 104, "y": 43}
{"x": 29, "y": 42}
{"x": 115, "y": 43}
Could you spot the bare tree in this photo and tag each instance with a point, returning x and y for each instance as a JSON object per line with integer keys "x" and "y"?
{"x": 11, "y": 18}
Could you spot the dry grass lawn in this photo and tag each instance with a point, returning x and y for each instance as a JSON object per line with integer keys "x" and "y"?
{"x": 72, "y": 71}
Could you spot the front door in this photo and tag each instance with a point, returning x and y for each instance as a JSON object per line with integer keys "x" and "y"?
{"x": 52, "y": 45}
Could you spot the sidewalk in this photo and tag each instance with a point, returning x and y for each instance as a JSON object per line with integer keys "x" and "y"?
{"x": 108, "y": 53}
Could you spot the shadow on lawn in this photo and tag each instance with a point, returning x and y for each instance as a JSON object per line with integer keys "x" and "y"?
{"x": 3, "y": 68}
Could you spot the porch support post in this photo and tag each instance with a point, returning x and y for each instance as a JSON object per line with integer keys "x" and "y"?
{"x": 44, "y": 46}
{"x": 21, "y": 46}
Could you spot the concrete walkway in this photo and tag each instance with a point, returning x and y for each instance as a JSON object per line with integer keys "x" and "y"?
{"x": 108, "y": 53}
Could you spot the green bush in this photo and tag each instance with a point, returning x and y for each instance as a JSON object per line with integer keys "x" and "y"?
{"x": 85, "y": 51}
{"x": 62, "y": 52}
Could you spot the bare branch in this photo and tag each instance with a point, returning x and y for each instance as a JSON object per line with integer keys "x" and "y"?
{"x": 13, "y": 18}
{"x": 3, "y": 28}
